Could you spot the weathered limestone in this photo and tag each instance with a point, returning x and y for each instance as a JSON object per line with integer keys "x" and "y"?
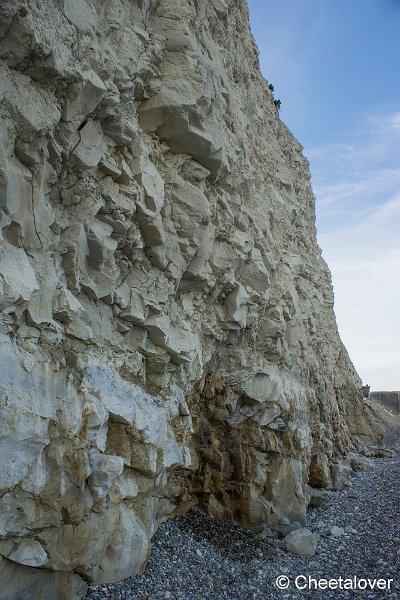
{"x": 167, "y": 336}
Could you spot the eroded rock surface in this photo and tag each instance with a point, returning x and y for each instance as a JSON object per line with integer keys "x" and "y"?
{"x": 167, "y": 326}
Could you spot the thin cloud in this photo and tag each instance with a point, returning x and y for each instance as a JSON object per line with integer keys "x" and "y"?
{"x": 352, "y": 192}
{"x": 364, "y": 258}
{"x": 375, "y": 140}
{"x": 357, "y": 185}
{"x": 353, "y": 178}
{"x": 388, "y": 122}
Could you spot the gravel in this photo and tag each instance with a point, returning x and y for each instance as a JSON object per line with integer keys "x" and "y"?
{"x": 197, "y": 558}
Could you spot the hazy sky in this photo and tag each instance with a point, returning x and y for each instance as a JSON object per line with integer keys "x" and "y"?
{"x": 335, "y": 65}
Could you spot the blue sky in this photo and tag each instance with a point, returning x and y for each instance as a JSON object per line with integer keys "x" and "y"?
{"x": 335, "y": 67}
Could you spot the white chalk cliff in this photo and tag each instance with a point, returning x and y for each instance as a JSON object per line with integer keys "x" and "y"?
{"x": 167, "y": 329}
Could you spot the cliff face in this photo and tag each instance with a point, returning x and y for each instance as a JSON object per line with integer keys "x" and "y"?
{"x": 167, "y": 326}
{"x": 389, "y": 400}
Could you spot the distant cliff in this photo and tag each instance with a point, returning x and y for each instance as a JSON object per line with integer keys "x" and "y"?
{"x": 167, "y": 327}
{"x": 390, "y": 400}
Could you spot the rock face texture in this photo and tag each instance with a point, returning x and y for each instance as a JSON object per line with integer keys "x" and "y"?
{"x": 167, "y": 328}
{"x": 389, "y": 400}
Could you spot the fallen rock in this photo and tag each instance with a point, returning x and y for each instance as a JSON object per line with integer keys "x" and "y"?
{"x": 349, "y": 529}
{"x": 283, "y": 529}
{"x": 383, "y": 453}
{"x": 359, "y": 462}
{"x": 340, "y": 474}
{"x": 336, "y": 531}
{"x": 317, "y": 497}
{"x": 267, "y": 532}
{"x": 301, "y": 542}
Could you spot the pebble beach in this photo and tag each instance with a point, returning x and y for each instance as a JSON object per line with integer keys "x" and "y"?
{"x": 198, "y": 558}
